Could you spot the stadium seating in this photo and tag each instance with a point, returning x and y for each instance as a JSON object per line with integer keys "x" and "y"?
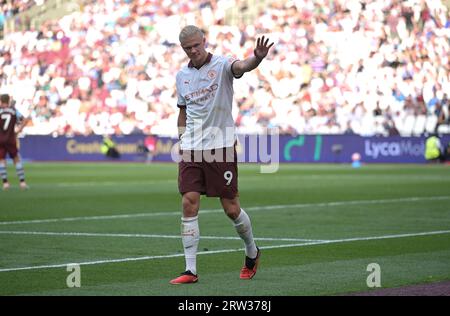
{"x": 110, "y": 67}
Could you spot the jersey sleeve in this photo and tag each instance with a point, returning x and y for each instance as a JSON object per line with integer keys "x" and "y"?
{"x": 230, "y": 60}
{"x": 181, "y": 101}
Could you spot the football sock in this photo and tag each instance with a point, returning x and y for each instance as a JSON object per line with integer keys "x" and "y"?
{"x": 244, "y": 229}
{"x": 190, "y": 235}
{"x": 20, "y": 172}
{"x": 3, "y": 173}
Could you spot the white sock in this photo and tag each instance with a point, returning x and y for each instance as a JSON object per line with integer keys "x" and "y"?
{"x": 244, "y": 229}
{"x": 190, "y": 235}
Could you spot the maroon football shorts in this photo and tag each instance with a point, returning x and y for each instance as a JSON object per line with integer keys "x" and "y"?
{"x": 8, "y": 148}
{"x": 210, "y": 172}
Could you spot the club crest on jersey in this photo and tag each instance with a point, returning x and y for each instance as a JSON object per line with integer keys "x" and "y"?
{"x": 212, "y": 74}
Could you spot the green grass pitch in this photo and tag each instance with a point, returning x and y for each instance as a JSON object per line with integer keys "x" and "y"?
{"x": 319, "y": 227}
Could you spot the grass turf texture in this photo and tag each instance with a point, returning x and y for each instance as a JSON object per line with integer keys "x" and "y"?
{"x": 319, "y": 226}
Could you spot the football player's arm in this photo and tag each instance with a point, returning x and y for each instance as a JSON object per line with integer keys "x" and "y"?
{"x": 23, "y": 122}
{"x": 181, "y": 122}
{"x": 242, "y": 66}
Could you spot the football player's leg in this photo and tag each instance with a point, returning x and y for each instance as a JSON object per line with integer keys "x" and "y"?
{"x": 190, "y": 236}
{"x": 190, "y": 185}
{"x": 242, "y": 224}
{"x": 4, "y": 174}
{"x": 190, "y": 232}
{"x": 20, "y": 171}
{"x": 243, "y": 227}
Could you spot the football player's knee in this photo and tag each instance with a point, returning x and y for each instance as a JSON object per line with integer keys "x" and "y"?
{"x": 232, "y": 212}
{"x": 190, "y": 204}
{"x": 231, "y": 206}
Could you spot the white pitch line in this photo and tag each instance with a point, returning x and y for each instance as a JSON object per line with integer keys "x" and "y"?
{"x": 89, "y": 218}
{"x": 109, "y": 183}
{"x": 210, "y": 211}
{"x": 337, "y": 241}
{"x": 78, "y": 234}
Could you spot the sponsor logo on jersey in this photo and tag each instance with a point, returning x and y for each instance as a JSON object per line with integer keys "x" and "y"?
{"x": 203, "y": 94}
{"x": 212, "y": 74}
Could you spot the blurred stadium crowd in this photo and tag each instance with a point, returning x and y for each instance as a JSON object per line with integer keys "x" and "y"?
{"x": 338, "y": 66}
{"x": 10, "y": 8}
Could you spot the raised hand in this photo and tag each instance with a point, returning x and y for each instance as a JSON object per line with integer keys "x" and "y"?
{"x": 262, "y": 49}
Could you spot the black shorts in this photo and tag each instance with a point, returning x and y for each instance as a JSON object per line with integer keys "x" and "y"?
{"x": 206, "y": 173}
{"x": 8, "y": 148}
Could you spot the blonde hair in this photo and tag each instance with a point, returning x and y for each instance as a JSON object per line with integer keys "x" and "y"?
{"x": 188, "y": 31}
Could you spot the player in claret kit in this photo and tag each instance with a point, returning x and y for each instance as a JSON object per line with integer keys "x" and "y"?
{"x": 10, "y": 118}
{"x": 206, "y": 126}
